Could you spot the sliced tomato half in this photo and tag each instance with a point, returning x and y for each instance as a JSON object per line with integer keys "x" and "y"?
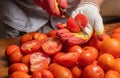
{"x": 51, "y": 46}
{"x": 39, "y": 61}
{"x": 30, "y": 47}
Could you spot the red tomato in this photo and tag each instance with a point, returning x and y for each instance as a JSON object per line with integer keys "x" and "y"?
{"x": 19, "y": 74}
{"x": 47, "y": 74}
{"x": 39, "y": 36}
{"x": 116, "y": 30}
{"x": 106, "y": 61}
{"x": 93, "y": 71}
{"x": 116, "y": 35}
{"x": 112, "y": 46}
{"x": 26, "y": 37}
{"x": 56, "y": 58}
{"x": 30, "y": 47}
{"x": 68, "y": 59}
{"x": 52, "y": 33}
{"x": 88, "y": 56}
{"x": 16, "y": 56}
{"x": 26, "y": 59}
{"x": 76, "y": 72}
{"x": 60, "y": 71}
{"x": 72, "y": 25}
{"x": 18, "y": 67}
{"x": 51, "y": 46}
{"x": 10, "y": 49}
{"x": 36, "y": 74}
{"x": 112, "y": 74}
{"x": 39, "y": 61}
{"x": 75, "y": 48}
{"x": 95, "y": 42}
{"x": 116, "y": 65}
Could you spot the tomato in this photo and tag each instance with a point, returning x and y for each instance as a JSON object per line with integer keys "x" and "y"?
{"x": 18, "y": 67}
{"x": 75, "y": 48}
{"x": 32, "y": 36}
{"x": 39, "y": 36}
{"x": 72, "y": 25}
{"x": 37, "y": 74}
{"x": 19, "y": 74}
{"x": 60, "y": 71}
{"x": 116, "y": 35}
{"x": 112, "y": 46}
{"x": 56, "y": 58}
{"x": 93, "y": 71}
{"x": 47, "y": 74}
{"x": 106, "y": 61}
{"x": 51, "y": 46}
{"x": 30, "y": 47}
{"x": 16, "y": 56}
{"x": 52, "y": 33}
{"x": 39, "y": 61}
{"x": 116, "y": 30}
{"x": 95, "y": 42}
{"x": 26, "y": 59}
{"x": 69, "y": 59}
{"x": 10, "y": 49}
{"x": 116, "y": 65}
{"x": 88, "y": 56}
{"x": 76, "y": 72}
{"x": 112, "y": 74}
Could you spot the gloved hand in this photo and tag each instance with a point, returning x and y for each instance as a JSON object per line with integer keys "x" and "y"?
{"x": 51, "y": 6}
{"x": 95, "y": 24}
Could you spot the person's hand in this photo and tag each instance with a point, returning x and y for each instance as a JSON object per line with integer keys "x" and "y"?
{"x": 52, "y": 6}
{"x": 95, "y": 24}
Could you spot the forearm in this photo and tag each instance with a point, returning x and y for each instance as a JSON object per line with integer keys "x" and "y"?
{"x": 98, "y": 2}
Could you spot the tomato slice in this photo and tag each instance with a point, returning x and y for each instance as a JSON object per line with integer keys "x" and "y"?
{"x": 31, "y": 47}
{"x": 51, "y": 46}
{"x": 39, "y": 61}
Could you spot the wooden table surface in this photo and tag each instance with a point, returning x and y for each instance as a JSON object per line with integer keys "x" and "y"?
{"x": 6, "y": 42}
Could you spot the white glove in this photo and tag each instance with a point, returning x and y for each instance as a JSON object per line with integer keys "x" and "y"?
{"x": 95, "y": 22}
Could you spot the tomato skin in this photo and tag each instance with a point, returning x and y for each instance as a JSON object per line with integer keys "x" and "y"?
{"x": 36, "y": 74}
{"x": 112, "y": 46}
{"x": 39, "y": 61}
{"x": 18, "y": 67}
{"x": 69, "y": 59}
{"x": 51, "y": 46}
{"x": 75, "y": 48}
{"x": 39, "y": 36}
{"x": 112, "y": 74}
{"x": 106, "y": 61}
{"x": 116, "y": 65}
{"x": 60, "y": 71}
{"x": 52, "y": 33}
{"x": 26, "y": 59}
{"x": 76, "y": 72}
{"x": 116, "y": 30}
{"x": 47, "y": 74}
{"x": 116, "y": 35}
{"x": 16, "y": 56}
{"x": 88, "y": 56}
{"x": 30, "y": 47}
{"x": 95, "y": 42}
{"x": 19, "y": 74}
{"x": 93, "y": 71}
{"x": 10, "y": 49}
{"x": 26, "y": 37}
{"x": 72, "y": 25}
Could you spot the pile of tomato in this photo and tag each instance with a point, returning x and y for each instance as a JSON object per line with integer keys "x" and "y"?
{"x": 42, "y": 55}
